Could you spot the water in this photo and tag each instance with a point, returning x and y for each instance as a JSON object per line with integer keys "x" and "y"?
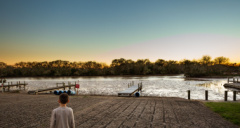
{"x": 161, "y": 86}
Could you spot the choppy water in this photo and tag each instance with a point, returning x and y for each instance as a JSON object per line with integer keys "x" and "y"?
{"x": 164, "y": 86}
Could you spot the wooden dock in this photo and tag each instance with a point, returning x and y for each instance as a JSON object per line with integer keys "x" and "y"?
{"x": 131, "y": 90}
{"x": 234, "y": 83}
{"x": 233, "y": 79}
{"x": 19, "y": 85}
{"x": 64, "y": 87}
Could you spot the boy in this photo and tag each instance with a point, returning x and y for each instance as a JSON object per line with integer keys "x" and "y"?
{"x": 62, "y": 117}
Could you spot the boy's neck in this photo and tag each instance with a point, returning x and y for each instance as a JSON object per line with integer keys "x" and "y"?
{"x": 63, "y": 105}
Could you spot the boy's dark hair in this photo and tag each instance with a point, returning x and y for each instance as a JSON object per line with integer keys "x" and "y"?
{"x": 63, "y": 98}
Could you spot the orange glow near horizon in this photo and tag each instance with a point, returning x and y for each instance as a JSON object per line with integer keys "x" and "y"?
{"x": 108, "y": 62}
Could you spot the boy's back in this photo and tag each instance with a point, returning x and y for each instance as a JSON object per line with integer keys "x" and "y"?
{"x": 62, "y": 117}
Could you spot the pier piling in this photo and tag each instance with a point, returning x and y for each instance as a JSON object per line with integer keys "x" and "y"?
{"x": 234, "y": 95}
{"x": 188, "y": 94}
{"x": 225, "y": 95}
{"x": 206, "y": 94}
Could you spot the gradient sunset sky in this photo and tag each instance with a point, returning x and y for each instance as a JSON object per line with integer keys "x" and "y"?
{"x": 103, "y": 30}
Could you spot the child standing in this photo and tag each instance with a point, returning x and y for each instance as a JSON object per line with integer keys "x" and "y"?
{"x": 62, "y": 117}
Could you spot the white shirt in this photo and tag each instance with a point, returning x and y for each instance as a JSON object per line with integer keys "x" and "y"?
{"x": 62, "y": 117}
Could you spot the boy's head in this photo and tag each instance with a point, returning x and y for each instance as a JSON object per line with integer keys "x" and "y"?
{"x": 63, "y": 98}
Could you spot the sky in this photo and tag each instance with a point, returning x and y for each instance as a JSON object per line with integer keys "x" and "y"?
{"x": 103, "y": 30}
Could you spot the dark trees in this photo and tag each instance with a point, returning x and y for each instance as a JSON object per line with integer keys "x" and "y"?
{"x": 204, "y": 67}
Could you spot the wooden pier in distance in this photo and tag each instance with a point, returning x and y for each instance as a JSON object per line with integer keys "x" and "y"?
{"x": 10, "y": 84}
{"x": 131, "y": 90}
{"x": 234, "y": 83}
{"x": 64, "y": 87}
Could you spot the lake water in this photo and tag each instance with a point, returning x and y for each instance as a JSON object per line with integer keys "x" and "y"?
{"x": 161, "y": 86}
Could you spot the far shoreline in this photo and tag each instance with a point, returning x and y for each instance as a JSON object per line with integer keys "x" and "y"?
{"x": 186, "y": 77}
{"x": 92, "y": 76}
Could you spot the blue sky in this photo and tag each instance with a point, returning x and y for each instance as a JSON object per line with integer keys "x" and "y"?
{"x": 83, "y": 30}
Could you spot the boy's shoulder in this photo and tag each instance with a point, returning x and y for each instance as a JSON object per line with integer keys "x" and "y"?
{"x": 62, "y": 108}
{"x": 69, "y": 108}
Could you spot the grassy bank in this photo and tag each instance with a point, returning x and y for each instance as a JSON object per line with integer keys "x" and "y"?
{"x": 229, "y": 111}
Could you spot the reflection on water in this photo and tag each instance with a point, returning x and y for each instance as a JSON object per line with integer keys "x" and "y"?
{"x": 164, "y": 86}
{"x": 216, "y": 86}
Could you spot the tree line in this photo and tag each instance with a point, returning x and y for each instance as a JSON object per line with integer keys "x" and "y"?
{"x": 206, "y": 66}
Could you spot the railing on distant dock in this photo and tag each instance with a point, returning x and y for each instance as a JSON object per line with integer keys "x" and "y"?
{"x": 234, "y": 79}
{"x": 19, "y": 85}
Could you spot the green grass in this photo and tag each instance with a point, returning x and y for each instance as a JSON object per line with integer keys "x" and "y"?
{"x": 229, "y": 111}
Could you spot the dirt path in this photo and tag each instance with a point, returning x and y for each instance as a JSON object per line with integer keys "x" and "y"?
{"x": 23, "y": 110}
